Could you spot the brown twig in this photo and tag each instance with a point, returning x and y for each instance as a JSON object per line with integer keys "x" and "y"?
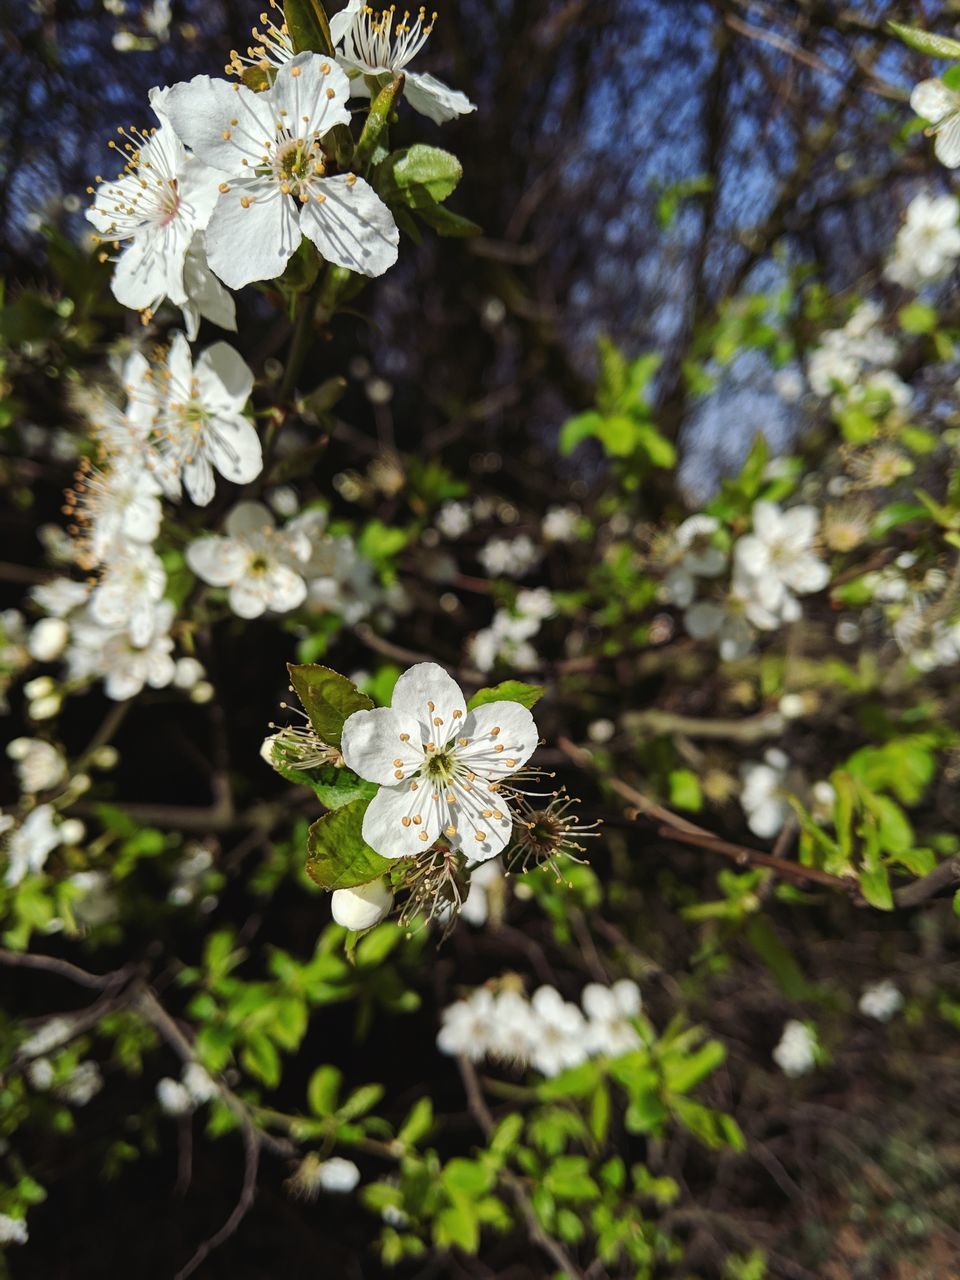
{"x": 481, "y": 1113}
{"x": 672, "y": 827}
{"x": 64, "y": 969}
{"x": 251, "y": 1151}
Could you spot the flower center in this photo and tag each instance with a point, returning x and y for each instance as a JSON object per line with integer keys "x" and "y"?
{"x": 441, "y": 766}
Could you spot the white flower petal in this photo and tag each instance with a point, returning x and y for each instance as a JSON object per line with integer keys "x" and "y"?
{"x": 372, "y": 745}
{"x": 426, "y": 693}
{"x": 351, "y": 227}
{"x": 198, "y": 479}
{"x": 233, "y": 446}
{"x": 224, "y": 379}
{"x": 947, "y": 146}
{"x": 247, "y": 598}
{"x": 432, "y": 98}
{"x": 284, "y": 589}
{"x": 313, "y": 91}
{"x": 252, "y": 242}
{"x": 390, "y": 823}
{"x": 932, "y": 100}
{"x": 201, "y": 110}
{"x": 248, "y": 518}
{"x": 502, "y": 736}
{"x": 218, "y": 561}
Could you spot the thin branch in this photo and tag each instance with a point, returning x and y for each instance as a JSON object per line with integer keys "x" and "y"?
{"x": 481, "y": 1113}
{"x": 947, "y": 874}
{"x": 248, "y": 1192}
{"x": 63, "y": 969}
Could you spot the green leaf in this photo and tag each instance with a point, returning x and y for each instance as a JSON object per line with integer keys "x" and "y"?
{"x": 600, "y": 1112}
{"x": 685, "y": 792}
{"x": 328, "y": 698}
{"x": 506, "y": 1134}
{"x": 417, "y": 1124}
{"x": 927, "y": 42}
{"x": 447, "y": 223}
{"x": 685, "y": 1073}
{"x": 457, "y": 1225}
{"x": 468, "y": 1176}
{"x": 360, "y": 1102}
{"x": 575, "y": 1082}
{"x": 568, "y": 1178}
{"x": 577, "y": 429}
{"x": 917, "y": 317}
{"x": 259, "y": 1056}
{"x": 339, "y": 857}
{"x": 619, "y": 434}
{"x": 323, "y": 1090}
{"x": 713, "y": 1128}
{"x": 333, "y": 787}
{"x": 528, "y": 695}
{"x": 308, "y": 26}
{"x": 657, "y": 447}
{"x": 418, "y": 176}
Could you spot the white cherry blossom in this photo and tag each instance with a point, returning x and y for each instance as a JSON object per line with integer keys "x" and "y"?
{"x": 776, "y": 561}
{"x": 200, "y": 424}
{"x": 273, "y": 187}
{"x": 254, "y": 560}
{"x": 796, "y": 1052}
{"x": 610, "y": 1011}
{"x": 466, "y": 1025}
{"x": 39, "y": 764}
{"x": 380, "y": 43}
{"x": 29, "y": 845}
{"x": 559, "y": 1036}
{"x": 763, "y": 796}
{"x": 881, "y": 1000}
{"x": 132, "y": 582}
{"x": 109, "y": 654}
{"x": 933, "y": 101}
{"x": 440, "y": 767}
{"x": 928, "y": 244}
{"x": 151, "y": 213}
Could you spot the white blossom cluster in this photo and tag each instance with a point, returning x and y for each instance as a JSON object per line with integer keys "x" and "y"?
{"x": 927, "y": 246}
{"x": 192, "y": 1090}
{"x": 797, "y": 1050}
{"x": 544, "y": 1032}
{"x": 852, "y": 365}
{"x": 772, "y": 566}
{"x": 508, "y": 637}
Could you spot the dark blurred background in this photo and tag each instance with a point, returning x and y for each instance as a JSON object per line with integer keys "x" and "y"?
{"x": 635, "y": 166}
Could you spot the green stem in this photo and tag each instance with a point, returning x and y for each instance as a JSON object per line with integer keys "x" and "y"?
{"x": 299, "y": 345}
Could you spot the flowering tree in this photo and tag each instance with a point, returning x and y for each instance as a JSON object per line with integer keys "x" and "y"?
{"x": 493, "y": 831}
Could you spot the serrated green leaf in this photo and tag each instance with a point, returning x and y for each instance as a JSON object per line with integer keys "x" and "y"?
{"x": 418, "y": 176}
{"x": 528, "y": 695}
{"x": 339, "y": 857}
{"x": 328, "y": 698}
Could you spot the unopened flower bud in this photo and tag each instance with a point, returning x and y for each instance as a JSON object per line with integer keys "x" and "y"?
{"x": 362, "y": 907}
{"x": 48, "y": 639}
